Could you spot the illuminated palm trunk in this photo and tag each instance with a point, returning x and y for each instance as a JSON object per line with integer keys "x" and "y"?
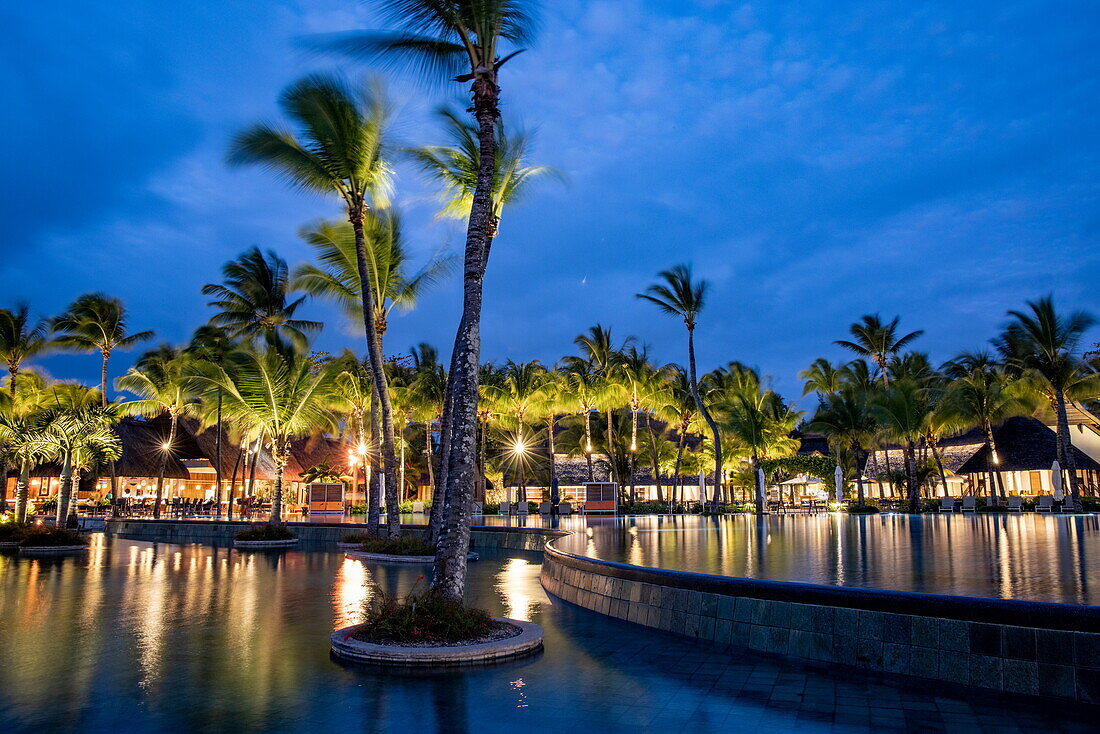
{"x": 21, "y": 491}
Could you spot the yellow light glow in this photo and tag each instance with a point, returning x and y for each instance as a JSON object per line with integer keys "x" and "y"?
{"x": 519, "y": 447}
{"x": 166, "y": 445}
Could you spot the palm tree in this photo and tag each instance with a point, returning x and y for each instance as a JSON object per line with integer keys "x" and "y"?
{"x": 255, "y": 301}
{"x": 521, "y": 391}
{"x": 581, "y": 388}
{"x": 97, "y": 323}
{"x": 640, "y": 381}
{"x": 1040, "y": 345}
{"x": 19, "y": 427}
{"x": 441, "y": 39}
{"x": 355, "y": 387}
{"x": 76, "y": 430}
{"x": 681, "y": 295}
{"x": 877, "y": 341}
{"x": 901, "y": 412}
{"x": 338, "y": 150}
{"x": 280, "y": 393}
{"x": 163, "y": 386}
{"x": 213, "y": 343}
{"x": 20, "y": 340}
{"x": 678, "y": 408}
{"x": 822, "y": 378}
{"x": 845, "y": 418}
{"x": 598, "y": 349}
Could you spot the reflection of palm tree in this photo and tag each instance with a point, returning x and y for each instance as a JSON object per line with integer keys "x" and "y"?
{"x": 255, "y": 300}
{"x": 1040, "y": 346}
{"x": 163, "y": 387}
{"x": 681, "y": 295}
{"x": 340, "y": 151}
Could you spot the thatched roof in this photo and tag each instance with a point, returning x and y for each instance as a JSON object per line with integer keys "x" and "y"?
{"x": 1024, "y": 444}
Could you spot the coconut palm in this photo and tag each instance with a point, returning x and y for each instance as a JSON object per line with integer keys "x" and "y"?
{"x": 902, "y": 411}
{"x": 95, "y": 322}
{"x": 822, "y": 378}
{"x": 580, "y": 387}
{"x": 256, "y": 301}
{"x": 846, "y": 420}
{"x": 355, "y": 387}
{"x": 521, "y": 392}
{"x": 877, "y": 341}
{"x": 640, "y": 381}
{"x": 212, "y": 343}
{"x": 598, "y": 349}
{"x": 338, "y": 150}
{"x": 21, "y": 340}
{"x": 677, "y": 407}
{"x": 683, "y": 296}
{"x": 1040, "y": 345}
{"x": 162, "y": 384}
{"x": 19, "y": 426}
{"x": 280, "y": 393}
{"x": 441, "y": 39}
{"x": 76, "y": 430}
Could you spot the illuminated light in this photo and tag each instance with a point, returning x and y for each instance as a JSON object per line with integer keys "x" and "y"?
{"x": 166, "y": 445}
{"x": 519, "y": 447}
{"x": 362, "y": 449}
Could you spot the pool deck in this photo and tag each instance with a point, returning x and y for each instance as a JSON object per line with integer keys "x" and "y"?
{"x": 1021, "y": 647}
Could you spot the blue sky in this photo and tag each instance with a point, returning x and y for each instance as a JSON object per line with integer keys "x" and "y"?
{"x": 815, "y": 161}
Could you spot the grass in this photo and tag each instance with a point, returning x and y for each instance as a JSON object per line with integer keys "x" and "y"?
{"x": 422, "y": 617}
{"x": 266, "y": 531}
{"x": 51, "y": 538}
{"x": 404, "y": 545}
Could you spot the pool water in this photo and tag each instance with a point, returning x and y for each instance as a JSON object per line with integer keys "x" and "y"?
{"x": 144, "y": 637}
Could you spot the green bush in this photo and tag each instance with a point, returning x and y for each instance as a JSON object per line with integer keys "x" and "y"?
{"x": 354, "y": 538}
{"x": 490, "y": 508}
{"x": 266, "y": 531}
{"x": 403, "y": 545}
{"x": 407, "y": 506}
{"x": 359, "y": 508}
{"x": 47, "y": 505}
{"x": 645, "y": 508}
{"x": 422, "y": 616}
{"x": 14, "y": 531}
{"x": 51, "y": 538}
{"x": 862, "y": 510}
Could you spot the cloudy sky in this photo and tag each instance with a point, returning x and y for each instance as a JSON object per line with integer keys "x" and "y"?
{"x": 815, "y": 161}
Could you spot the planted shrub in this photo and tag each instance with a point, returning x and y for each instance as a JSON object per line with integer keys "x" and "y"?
{"x": 423, "y": 616}
{"x": 11, "y": 532}
{"x": 490, "y": 508}
{"x": 266, "y": 531}
{"x": 51, "y": 538}
{"x": 404, "y": 545}
{"x": 354, "y": 538}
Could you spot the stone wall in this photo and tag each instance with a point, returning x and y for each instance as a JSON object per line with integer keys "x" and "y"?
{"x": 1061, "y": 663}
{"x": 313, "y": 534}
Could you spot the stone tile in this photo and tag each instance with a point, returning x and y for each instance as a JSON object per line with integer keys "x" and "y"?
{"x": 925, "y": 632}
{"x": 869, "y": 654}
{"x": 870, "y": 625}
{"x": 895, "y": 658}
{"x": 709, "y": 606}
{"x": 954, "y": 635}
{"x": 800, "y": 616}
{"x": 1018, "y": 643}
{"x": 739, "y": 634}
{"x": 1055, "y": 680}
{"x": 954, "y": 667}
{"x": 821, "y": 646}
{"x": 758, "y": 638}
{"x": 846, "y": 621}
{"x": 844, "y": 649}
{"x": 822, "y": 619}
{"x": 706, "y": 627}
{"x": 985, "y": 639}
{"x": 778, "y": 640}
{"x": 985, "y": 671}
{"x": 743, "y": 609}
{"x": 1086, "y": 649}
{"x": 924, "y": 662}
{"x": 896, "y": 628}
{"x": 1054, "y": 646}
{"x": 725, "y": 607}
{"x": 798, "y": 643}
{"x": 1088, "y": 685}
{"x": 1021, "y": 677}
{"x": 772, "y": 613}
{"x": 722, "y": 630}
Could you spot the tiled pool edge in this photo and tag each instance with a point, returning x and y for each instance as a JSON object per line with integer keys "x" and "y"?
{"x": 1030, "y": 660}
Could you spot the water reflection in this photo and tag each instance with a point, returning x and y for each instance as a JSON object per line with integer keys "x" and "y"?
{"x": 1025, "y": 557}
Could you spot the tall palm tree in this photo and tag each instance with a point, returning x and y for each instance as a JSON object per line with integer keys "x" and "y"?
{"x": 1040, "y": 345}
{"x": 845, "y": 418}
{"x": 338, "y": 150}
{"x": 95, "y": 322}
{"x": 255, "y": 300}
{"x": 77, "y": 431}
{"x": 640, "y": 381}
{"x": 877, "y": 341}
{"x": 278, "y": 391}
{"x": 677, "y": 407}
{"x": 902, "y": 411}
{"x": 440, "y": 39}
{"x": 598, "y": 349}
{"x": 355, "y": 387}
{"x": 19, "y": 427}
{"x": 681, "y": 295}
{"x": 21, "y": 340}
{"x": 163, "y": 386}
{"x": 521, "y": 392}
{"x": 822, "y": 378}
{"x": 580, "y": 387}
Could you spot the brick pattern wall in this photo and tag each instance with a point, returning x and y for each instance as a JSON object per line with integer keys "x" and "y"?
{"x": 1021, "y": 660}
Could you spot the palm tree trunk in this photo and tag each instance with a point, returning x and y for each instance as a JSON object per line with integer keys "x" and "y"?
{"x": 218, "y": 462}
{"x": 401, "y": 484}
{"x": 164, "y": 465}
{"x": 553, "y": 472}
{"x": 654, "y": 455}
{"x": 1065, "y": 445}
{"x": 611, "y": 450}
{"x": 710, "y": 422}
{"x": 913, "y": 487}
{"x": 233, "y": 484}
{"x": 378, "y": 372}
{"x": 250, "y": 490}
{"x": 588, "y": 442}
{"x": 860, "y": 454}
{"x": 374, "y": 501}
{"x": 681, "y": 440}
{"x": 21, "y": 490}
{"x": 758, "y": 482}
{"x": 63, "y": 490}
{"x": 429, "y": 459}
{"x": 439, "y": 509}
{"x": 450, "y": 563}
{"x": 939, "y": 465}
{"x": 280, "y": 459}
{"x": 3, "y": 486}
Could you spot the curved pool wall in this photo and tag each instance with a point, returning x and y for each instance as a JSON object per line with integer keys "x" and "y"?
{"x": 1015, "y": 646}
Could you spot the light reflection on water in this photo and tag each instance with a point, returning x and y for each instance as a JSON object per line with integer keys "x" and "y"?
{"x": 1037, "y": 557}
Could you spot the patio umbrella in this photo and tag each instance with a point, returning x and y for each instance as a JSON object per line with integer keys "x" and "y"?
{"x": 702, "y": 487}
{"x": 760, "y": 485}
{"x": 1056, "y": 480}
{"x": 838, "y": 476}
